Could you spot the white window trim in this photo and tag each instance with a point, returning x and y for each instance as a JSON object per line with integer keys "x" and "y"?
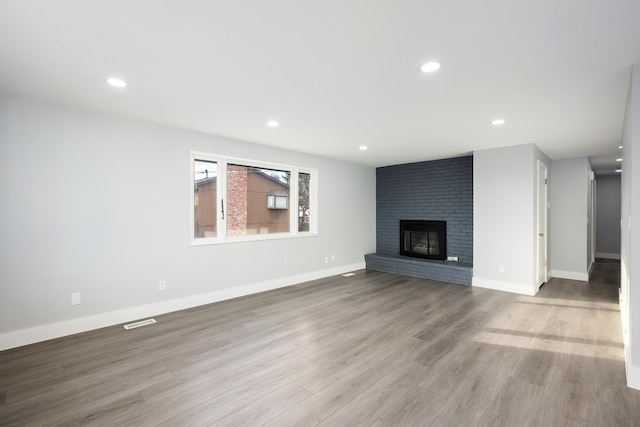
{"x": 221, "y": 191}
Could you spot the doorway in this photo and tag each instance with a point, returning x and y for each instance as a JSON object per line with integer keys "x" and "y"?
{"x": 541, "y": 223}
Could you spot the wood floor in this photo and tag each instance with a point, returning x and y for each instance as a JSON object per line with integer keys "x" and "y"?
{"x": 373, "y": 349}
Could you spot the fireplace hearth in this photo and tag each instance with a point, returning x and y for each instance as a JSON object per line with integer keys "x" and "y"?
{"x": 423, "y": 239}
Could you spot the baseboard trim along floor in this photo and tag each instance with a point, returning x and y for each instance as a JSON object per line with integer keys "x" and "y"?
{"x": 88, "y": 323}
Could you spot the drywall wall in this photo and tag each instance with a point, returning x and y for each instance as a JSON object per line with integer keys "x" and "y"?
{"x": 504, "y": 217}
{"x": 569, "y": 218}
{"x": 630, "y": 233}
{"x": 608, "y": 216}
{"x": 99, "y": 205}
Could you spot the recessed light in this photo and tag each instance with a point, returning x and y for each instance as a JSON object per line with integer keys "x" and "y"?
{"x": 618, "y": 160}
{"x": 363, "y": 148}
{"x": 497, "y": 122}
{"x": 618, "y": 170}
{"x": 273, "y": 124}
{"x": 113, "y": 81}
{"x": 619, "y": 147}
{"x": 430, "y": 67}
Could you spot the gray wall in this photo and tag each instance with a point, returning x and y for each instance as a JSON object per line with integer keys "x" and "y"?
{"x": 569, "y": 218}
{"x": 630, "y": 235}
{"x": 436, "y": 190}
{"x": 100, "y": 205}
{"x": 608, "y": 216}
{"x": 504, "y": 217}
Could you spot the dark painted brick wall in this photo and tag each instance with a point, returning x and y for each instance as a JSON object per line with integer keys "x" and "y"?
{"x": 435, "y": 190}
{"x": 453, "y": 272}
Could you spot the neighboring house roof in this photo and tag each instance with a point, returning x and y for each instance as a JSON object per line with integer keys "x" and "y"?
{"x": 210, "y": 180}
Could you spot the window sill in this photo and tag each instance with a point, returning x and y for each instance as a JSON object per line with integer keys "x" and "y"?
{"x": 251, "y": 238}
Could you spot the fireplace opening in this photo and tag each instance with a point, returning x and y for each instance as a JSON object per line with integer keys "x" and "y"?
{"x": 423, "y": 239}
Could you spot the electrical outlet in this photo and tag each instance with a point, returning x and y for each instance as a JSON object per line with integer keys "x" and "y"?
{"x": 162, "y": 285}
{"x": 326, "y": 260}
{"x": 76, "y": 298}
{"x": 452, "y": 258}
{"x": 501, "y": 268}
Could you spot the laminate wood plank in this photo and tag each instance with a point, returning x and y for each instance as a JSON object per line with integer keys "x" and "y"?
{"x": 458, "y": 332}
{"x": 23, "y": 383}
{"x": 42, "y": 356}
{"x": 569, "y": 389}
{"x": 219, "y": 362}
{"x": 266, "y": 408}
{"x": 343, "y": 367}
{"x": 536, "y": 364}
{"x": 418, "y": 407}
{"x": 329, "y": 399}
{"x": 113, "y": 358}
{"x": 470, "y": 361}
{"x": 373, "y": 333}
{"x": 368, "y": 406}
{"x": 373, "y": 349}
{"x": 543, "y": 418}
{"x": 498, "y": 407}
{"x": 614, "y": 406}
{"x": 202, "y": 387}
{"x": 204, "y": 406}
{"x": 210, "y": 397}
{"x": 447, "y": 318}
{"x": 469, "y": 399}
{"x": 79, "y": 396}
{"x": 128, "y": 410}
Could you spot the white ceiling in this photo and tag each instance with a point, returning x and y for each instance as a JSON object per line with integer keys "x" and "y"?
{"x": 338, "y": 74}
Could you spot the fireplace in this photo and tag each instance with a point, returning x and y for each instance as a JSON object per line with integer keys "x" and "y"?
{"x": 423, "y": 239}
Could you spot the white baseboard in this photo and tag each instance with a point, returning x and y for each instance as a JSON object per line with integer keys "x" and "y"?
{"x": 632, "y": 372}
{"x": 497, "y": 285}
{"x": 83, "y": 324}
{"x": 633, "y": 376}
{"x": 607, "y": 255}
{"x": 572, "y": 275}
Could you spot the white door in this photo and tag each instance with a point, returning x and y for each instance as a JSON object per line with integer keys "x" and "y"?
{"x": 541, "y": 221}
{"x": 594, "y": 199}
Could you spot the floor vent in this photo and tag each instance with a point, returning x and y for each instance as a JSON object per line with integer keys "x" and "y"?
{"x": 348, "y": 274}
{"x": 140, "y": 323}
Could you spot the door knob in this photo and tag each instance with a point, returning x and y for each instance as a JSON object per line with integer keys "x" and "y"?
{"x": 541, "y": 234}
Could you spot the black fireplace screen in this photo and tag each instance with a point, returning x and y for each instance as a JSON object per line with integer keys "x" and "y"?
{"x": 423, "y": 239}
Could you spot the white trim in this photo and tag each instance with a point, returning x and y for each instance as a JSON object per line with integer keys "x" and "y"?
{"x": 220, "y": 186}
{"x": 83, "y": 324}
{"x": 606, "y": 255}
{"x": 545, "y": 232}
{"x": 571, "y": 275}
{"x": 314, "y": 212}
{"x": 633, "y": 375}
{"x": 517, "y": 288}
{"x": 632, "y": 372}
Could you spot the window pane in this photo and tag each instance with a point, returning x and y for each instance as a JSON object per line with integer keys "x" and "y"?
{"x": 304, "y": 180}
{"x": 204, "y": 198}
{"x": 249, "y": 208}
{"x": 282, "y": 202}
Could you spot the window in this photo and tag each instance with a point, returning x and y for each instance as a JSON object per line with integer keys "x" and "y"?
{"x": 234, "y": 200}
{"x": 204, "y": 198}
{"x": 277, "y": 200}
{"x": 304, "y": 205}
